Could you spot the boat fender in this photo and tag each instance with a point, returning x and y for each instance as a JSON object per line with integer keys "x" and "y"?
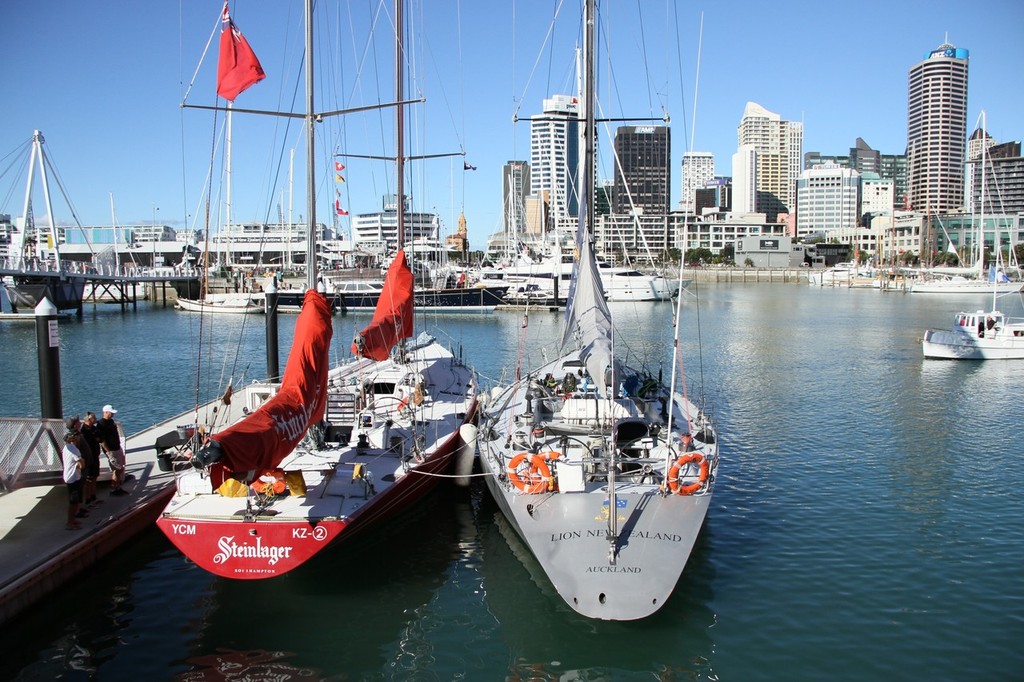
{"x": 531, "y": 474}
{"x": 465, "y": 454}
{"x": 681, "y": 463}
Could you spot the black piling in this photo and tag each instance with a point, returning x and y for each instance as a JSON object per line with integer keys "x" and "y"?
{"x": 48, "y": 351}
{"x": 271, "y": 297}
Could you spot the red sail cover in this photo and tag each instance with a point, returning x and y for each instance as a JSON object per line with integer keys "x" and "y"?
{"x": 238, "y": 67}
{"x": 392, "y": 319}
{"x": 265, "y": 437}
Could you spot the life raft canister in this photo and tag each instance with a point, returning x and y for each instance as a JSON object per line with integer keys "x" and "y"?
{"x": 531, "y": 473}
{"x": 679, "y": 465}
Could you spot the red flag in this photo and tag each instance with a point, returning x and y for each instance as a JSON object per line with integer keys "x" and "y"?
{"x": 338, "y": 209}
{"x": 392, "y": 319}
{"x": 339, "y": 166}
{"x": 238, "y": 67}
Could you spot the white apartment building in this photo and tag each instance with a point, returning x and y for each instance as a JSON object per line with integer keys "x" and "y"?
{"x": 698, "y": 171}
{"x": 876, "y": 194}
{"x": 382, "y": 227}
{"x": 744, "y": 180}
{"x": 779, "y": 147}
{"x": 828, "y": 202}
{"x": 554, "y": 158}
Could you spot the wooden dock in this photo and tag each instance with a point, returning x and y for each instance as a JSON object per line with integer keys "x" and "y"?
{"x": 37, "y": 554}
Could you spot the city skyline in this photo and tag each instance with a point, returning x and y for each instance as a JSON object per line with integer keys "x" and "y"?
{"x": 113, "y": 125}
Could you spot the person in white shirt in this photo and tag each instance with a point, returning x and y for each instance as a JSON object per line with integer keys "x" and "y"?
{"x": 73, "y": 465}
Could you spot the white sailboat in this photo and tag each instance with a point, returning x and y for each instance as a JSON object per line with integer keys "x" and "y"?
{"x": 604, "y": 472}
{"x": 274, "y": 473}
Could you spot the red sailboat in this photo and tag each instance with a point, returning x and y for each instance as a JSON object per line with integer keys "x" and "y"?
{"x": 274, "y": 473}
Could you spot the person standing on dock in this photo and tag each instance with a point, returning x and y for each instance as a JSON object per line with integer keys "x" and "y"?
{"x": 110, "y": 441}
{"x": 91, "y": 437}
{"x": 73, "y": 464}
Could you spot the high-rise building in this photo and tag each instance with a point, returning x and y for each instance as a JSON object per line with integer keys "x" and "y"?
{"x": 779, "y": 148}
{"x": 1003, "y": 176}
{"x": 744, "y": 180}
{"x": 828, "y": 202}
{"x": 515, "y": 186}
{"x": 554, "y": 158}
{"x": 698, "y": 171}
{"x": 937, "y": 130}
{"x": 643, "y": 170}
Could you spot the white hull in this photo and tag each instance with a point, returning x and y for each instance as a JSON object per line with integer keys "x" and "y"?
{"x": 964, "y": 286}
{"x": 233, "y": 304}
{"x": 566, "y": 524}
{"x": 979, "y": 335}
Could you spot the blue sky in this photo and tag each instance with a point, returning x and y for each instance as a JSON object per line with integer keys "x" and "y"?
{"x": 103, "y": 82}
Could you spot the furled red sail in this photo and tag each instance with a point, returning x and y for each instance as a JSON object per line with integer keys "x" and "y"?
{"x": 392, "y": 319}
{"x": 265, "y": 437}
{"x": 238, "y": 67}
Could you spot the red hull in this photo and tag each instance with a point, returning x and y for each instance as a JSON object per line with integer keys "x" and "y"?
{"x": 249, "y": 550}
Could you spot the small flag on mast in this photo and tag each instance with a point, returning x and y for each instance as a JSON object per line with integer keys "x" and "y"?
{"x": 339, "y": 166}
{"x": 338, "y": 209}
{"x": 466, "y": 166}
{"x": 238, "y": 68}
{"x": 338, "y": 178}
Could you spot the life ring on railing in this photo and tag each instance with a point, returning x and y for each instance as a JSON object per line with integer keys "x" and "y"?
{"x": 535, "y": 477}
{"x": 270, "y": 482}
{"x": 681, "y": 462}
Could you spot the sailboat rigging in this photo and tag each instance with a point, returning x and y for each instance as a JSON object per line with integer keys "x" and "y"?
{"x": 330, "y": 451}
{"x": 604, "y": 472}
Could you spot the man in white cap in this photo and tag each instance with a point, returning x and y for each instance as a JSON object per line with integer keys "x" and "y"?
{"x": 110, "y": 442}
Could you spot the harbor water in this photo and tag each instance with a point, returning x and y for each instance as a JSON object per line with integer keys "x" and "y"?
{"x": 867, "y": 522}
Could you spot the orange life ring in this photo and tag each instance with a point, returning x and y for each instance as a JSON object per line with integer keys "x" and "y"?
{"x": 270, "y": 482}
{"x": 682, "y": 461}
{"x": 535, "y": 477}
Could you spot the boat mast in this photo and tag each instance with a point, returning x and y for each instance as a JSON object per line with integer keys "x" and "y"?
{"x": 399, "y": 126}
{"x": 227, "y": 204}
{"x": 311, "y": 270}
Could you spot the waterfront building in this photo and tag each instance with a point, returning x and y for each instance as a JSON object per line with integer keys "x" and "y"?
{"x": 937, "y": 130}
{"x": 554, "y": 159}
{"x": 769, "y": 251}
{"x": 698, "y": 170}
{"x": 642, "y": 170}
{"x": 371, "y": 229}
{"x": 1004, "y": 178}
{"x": 643, "y": 238}
{"x": 828, "y": 202}
{"x": 961, "y": 230}
{"x": 779, "y": 146}
{"x": 638, "y": 237}
{"x": 864, "y": 159}
{"x": 716, "y": 231}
